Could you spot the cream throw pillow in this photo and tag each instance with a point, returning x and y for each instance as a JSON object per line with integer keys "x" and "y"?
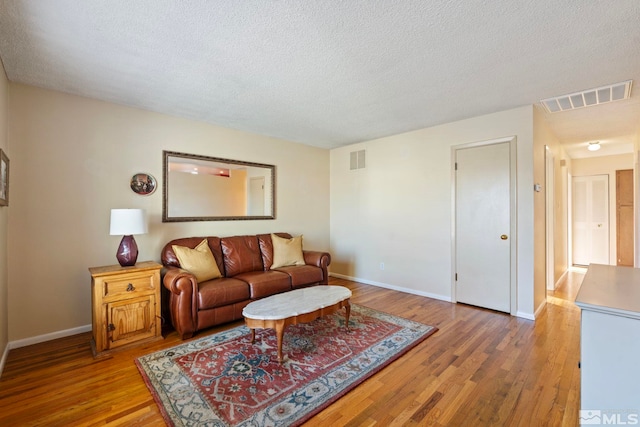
{"x": 287, "y": 251}
{"x": 199, "y": 261}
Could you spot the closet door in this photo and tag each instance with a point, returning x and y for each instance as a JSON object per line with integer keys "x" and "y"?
{"x": 591, "y": 220}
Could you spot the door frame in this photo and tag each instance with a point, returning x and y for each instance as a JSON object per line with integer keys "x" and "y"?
{"x": 513, "y": 236}
{"x": 569, "y": 221}
{"x": 549, "y": 163}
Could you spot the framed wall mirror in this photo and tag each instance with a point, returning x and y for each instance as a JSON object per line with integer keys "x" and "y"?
{"x": 202, "y": 188}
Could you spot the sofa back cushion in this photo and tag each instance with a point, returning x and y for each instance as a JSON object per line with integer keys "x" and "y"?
{"x": 266, "y": 248}
{"x": 241, "y": 255}
{"x": 169, "y": 257}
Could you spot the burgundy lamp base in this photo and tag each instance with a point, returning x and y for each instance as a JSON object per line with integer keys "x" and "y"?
{"x": 127, "y": 251}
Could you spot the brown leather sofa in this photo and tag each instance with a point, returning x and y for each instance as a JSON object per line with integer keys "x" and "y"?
{"x": 245, "y": 263}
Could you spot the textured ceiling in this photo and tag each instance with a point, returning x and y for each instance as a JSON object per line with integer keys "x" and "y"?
{"x": 327, "y": 72}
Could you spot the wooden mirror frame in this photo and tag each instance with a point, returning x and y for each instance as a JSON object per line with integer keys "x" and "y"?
{"x": 270, "y": 172}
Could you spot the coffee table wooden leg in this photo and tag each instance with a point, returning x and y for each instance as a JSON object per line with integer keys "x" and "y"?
{"x": 253, "y": 336}
{"x": 280, "y": 325}
{"x": 347, "y": 313}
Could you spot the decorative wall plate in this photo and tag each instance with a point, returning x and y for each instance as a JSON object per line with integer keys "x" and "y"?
{"x": 143, "y": 184}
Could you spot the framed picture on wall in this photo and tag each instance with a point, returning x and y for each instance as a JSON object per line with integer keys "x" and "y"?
{"x": 4, "y": 179}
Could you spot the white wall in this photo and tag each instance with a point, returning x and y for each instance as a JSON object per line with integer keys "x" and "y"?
{"x": 187, "y": 190}
{"x": 606, "y": 165}
{"x": 542, "y": 138}
{"x": 561, "y": 238}
{"x": 397, "y": 210}
{"x": 539, "y": 212}
{"x": 71, "y": 162}
{"x": 4, "y": 214}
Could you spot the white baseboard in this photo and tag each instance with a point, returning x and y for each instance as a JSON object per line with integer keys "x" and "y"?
{"x": 533, "y": 316}
{"x": 395, "y": 288}
{"x": 562, "y": 276}
{"x": 555, "y": 285}
{"x": 527, "y": 316}
{"x": 48, "y": 337}
{"x": 540, "y": 308}
{"x": 4, "y": 358}
{"x": 521, "y": 314}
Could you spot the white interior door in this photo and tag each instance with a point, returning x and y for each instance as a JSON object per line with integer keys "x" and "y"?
{"x": 256, "y": 196}
{"x": 483, "y": 226}
{"x": 590, "y": 220}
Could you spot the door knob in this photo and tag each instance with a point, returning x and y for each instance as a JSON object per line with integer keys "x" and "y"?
{"x": 504, "y": 237}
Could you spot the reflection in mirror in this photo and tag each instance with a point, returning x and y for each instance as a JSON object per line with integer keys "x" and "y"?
{"x": 201, "y": 188}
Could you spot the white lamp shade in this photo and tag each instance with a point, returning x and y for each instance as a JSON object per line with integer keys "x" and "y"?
{"x": 126, "y": 222}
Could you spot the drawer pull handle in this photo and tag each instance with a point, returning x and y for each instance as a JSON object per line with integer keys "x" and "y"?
{"x": 111, "y": 327}
{"x": 130, "y": 288}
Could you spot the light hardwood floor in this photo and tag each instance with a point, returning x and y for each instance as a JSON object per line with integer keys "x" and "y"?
{"x": 480, "y": 368}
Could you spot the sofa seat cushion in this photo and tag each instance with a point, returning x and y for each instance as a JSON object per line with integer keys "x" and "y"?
{"x": 221, "y": 292}
{"x": 302, "y": 275}
{"x": 265, "y": 283}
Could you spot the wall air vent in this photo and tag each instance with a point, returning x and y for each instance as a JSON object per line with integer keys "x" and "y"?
{"x": 588, "y": 98}
{"x": 357, "y": 160}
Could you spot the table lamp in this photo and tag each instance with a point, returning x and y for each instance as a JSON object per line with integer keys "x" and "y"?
{"x": 128, "y": 222}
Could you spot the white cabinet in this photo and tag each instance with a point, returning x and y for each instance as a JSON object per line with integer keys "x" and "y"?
{"x": 610, "y": 343}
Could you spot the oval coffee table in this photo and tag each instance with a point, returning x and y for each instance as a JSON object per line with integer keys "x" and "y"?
{"x": 293, "y": 307}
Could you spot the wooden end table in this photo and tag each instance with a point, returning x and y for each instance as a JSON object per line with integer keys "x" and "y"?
{"x": 125, "y": 306}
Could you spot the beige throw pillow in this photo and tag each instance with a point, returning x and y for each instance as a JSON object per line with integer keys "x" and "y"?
{"x": 199, "y": 261}
{"x": 287, "y": 251}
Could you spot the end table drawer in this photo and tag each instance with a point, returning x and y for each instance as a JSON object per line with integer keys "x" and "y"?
{"x": 128, "y": 286}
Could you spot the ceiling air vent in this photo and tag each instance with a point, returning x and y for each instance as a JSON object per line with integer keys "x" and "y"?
{"x": 589, "y": 97}
{"x": 357, "y": 160}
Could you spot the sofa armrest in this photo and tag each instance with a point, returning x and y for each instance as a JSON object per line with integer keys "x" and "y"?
{"x": 183, "y": 301}
{"x": 171, "y": 279}
{"x": 319, "y": 259}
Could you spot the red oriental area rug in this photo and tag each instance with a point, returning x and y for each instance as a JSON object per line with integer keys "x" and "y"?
{"x": 224, "y": 380}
